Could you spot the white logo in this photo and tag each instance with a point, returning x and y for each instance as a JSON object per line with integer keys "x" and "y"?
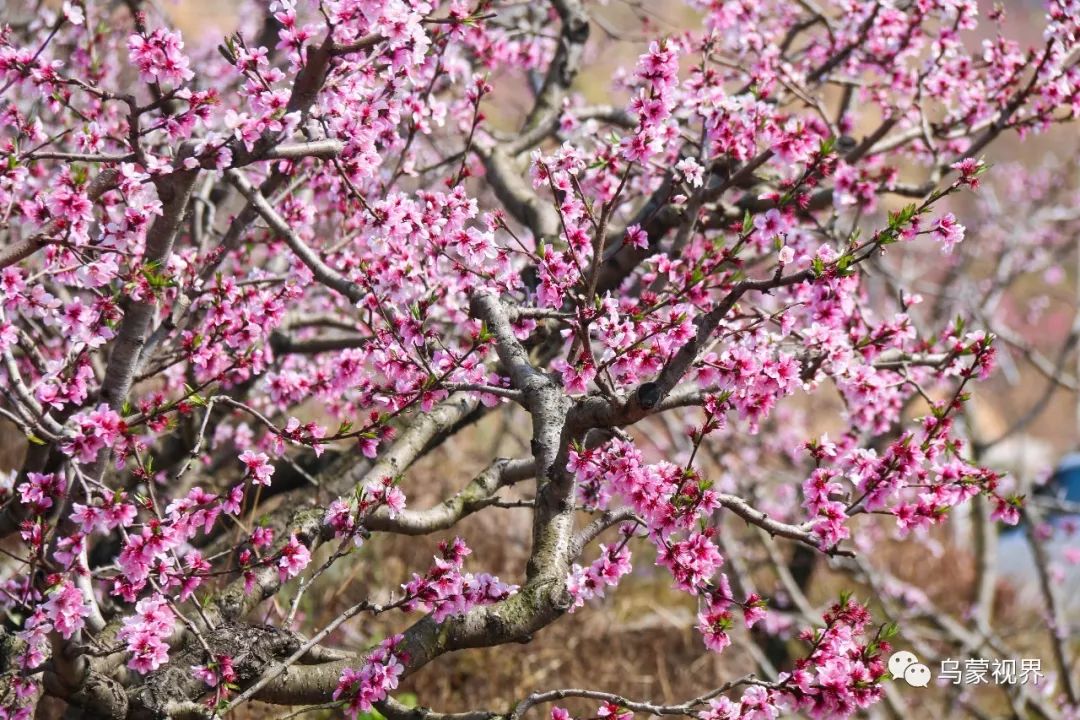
{"x": 906, "y": 666}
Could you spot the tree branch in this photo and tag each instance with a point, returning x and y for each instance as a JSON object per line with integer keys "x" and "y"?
{"x": 105, "y": 181}
{"x": 322, "y": 272}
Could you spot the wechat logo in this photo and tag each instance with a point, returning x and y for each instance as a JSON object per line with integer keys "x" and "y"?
{"x": 906, "y": 666}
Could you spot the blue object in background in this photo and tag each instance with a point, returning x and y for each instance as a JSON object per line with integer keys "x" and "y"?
{"x": 1016, "y": 560}
{"x": 1063, "y": 485}
{"x": 1065, "y": 482}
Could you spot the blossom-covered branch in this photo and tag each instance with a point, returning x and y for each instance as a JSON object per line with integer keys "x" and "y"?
{"x": 365, "y": 275}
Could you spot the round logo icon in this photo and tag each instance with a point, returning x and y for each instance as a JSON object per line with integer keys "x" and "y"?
{"x": 904, "y": 665}
{"x": 917, "y": 675}
{"x": 899, "y": 661}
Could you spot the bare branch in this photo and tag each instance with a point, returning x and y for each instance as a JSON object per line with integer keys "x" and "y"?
{"x": 322, "y": 272}
{"x": 1056, "y": 624}
{"x": 688, "y": 708}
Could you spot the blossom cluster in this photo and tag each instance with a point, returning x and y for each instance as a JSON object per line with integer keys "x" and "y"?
{"x": 840, "y": 676}
{"x": 445, "y": 591}
{"x": 146, "y": 634}
{"x": 369, "y": 684}
{"x": 224, "y": 259}
{"x": 347, "y": 520}
{"x": 586, "y": 583}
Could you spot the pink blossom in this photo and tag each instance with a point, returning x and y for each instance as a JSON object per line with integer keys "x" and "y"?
{"x": 753, "y": 610}
{"x": 637, "y": 237}
{"x": 258, "y": 467}
{"x": 948, "y": 232}
{"x": 159, "y": 57}
{"x": 320, "y": 233}
{"x": 294, "y": 557}
{"x": 66, "y": 609}
{"x": 380, "y": 673}
{"x": 146, "y": 633}
{"x": 446, "y": 591}
{"x": 586, "y": 583}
